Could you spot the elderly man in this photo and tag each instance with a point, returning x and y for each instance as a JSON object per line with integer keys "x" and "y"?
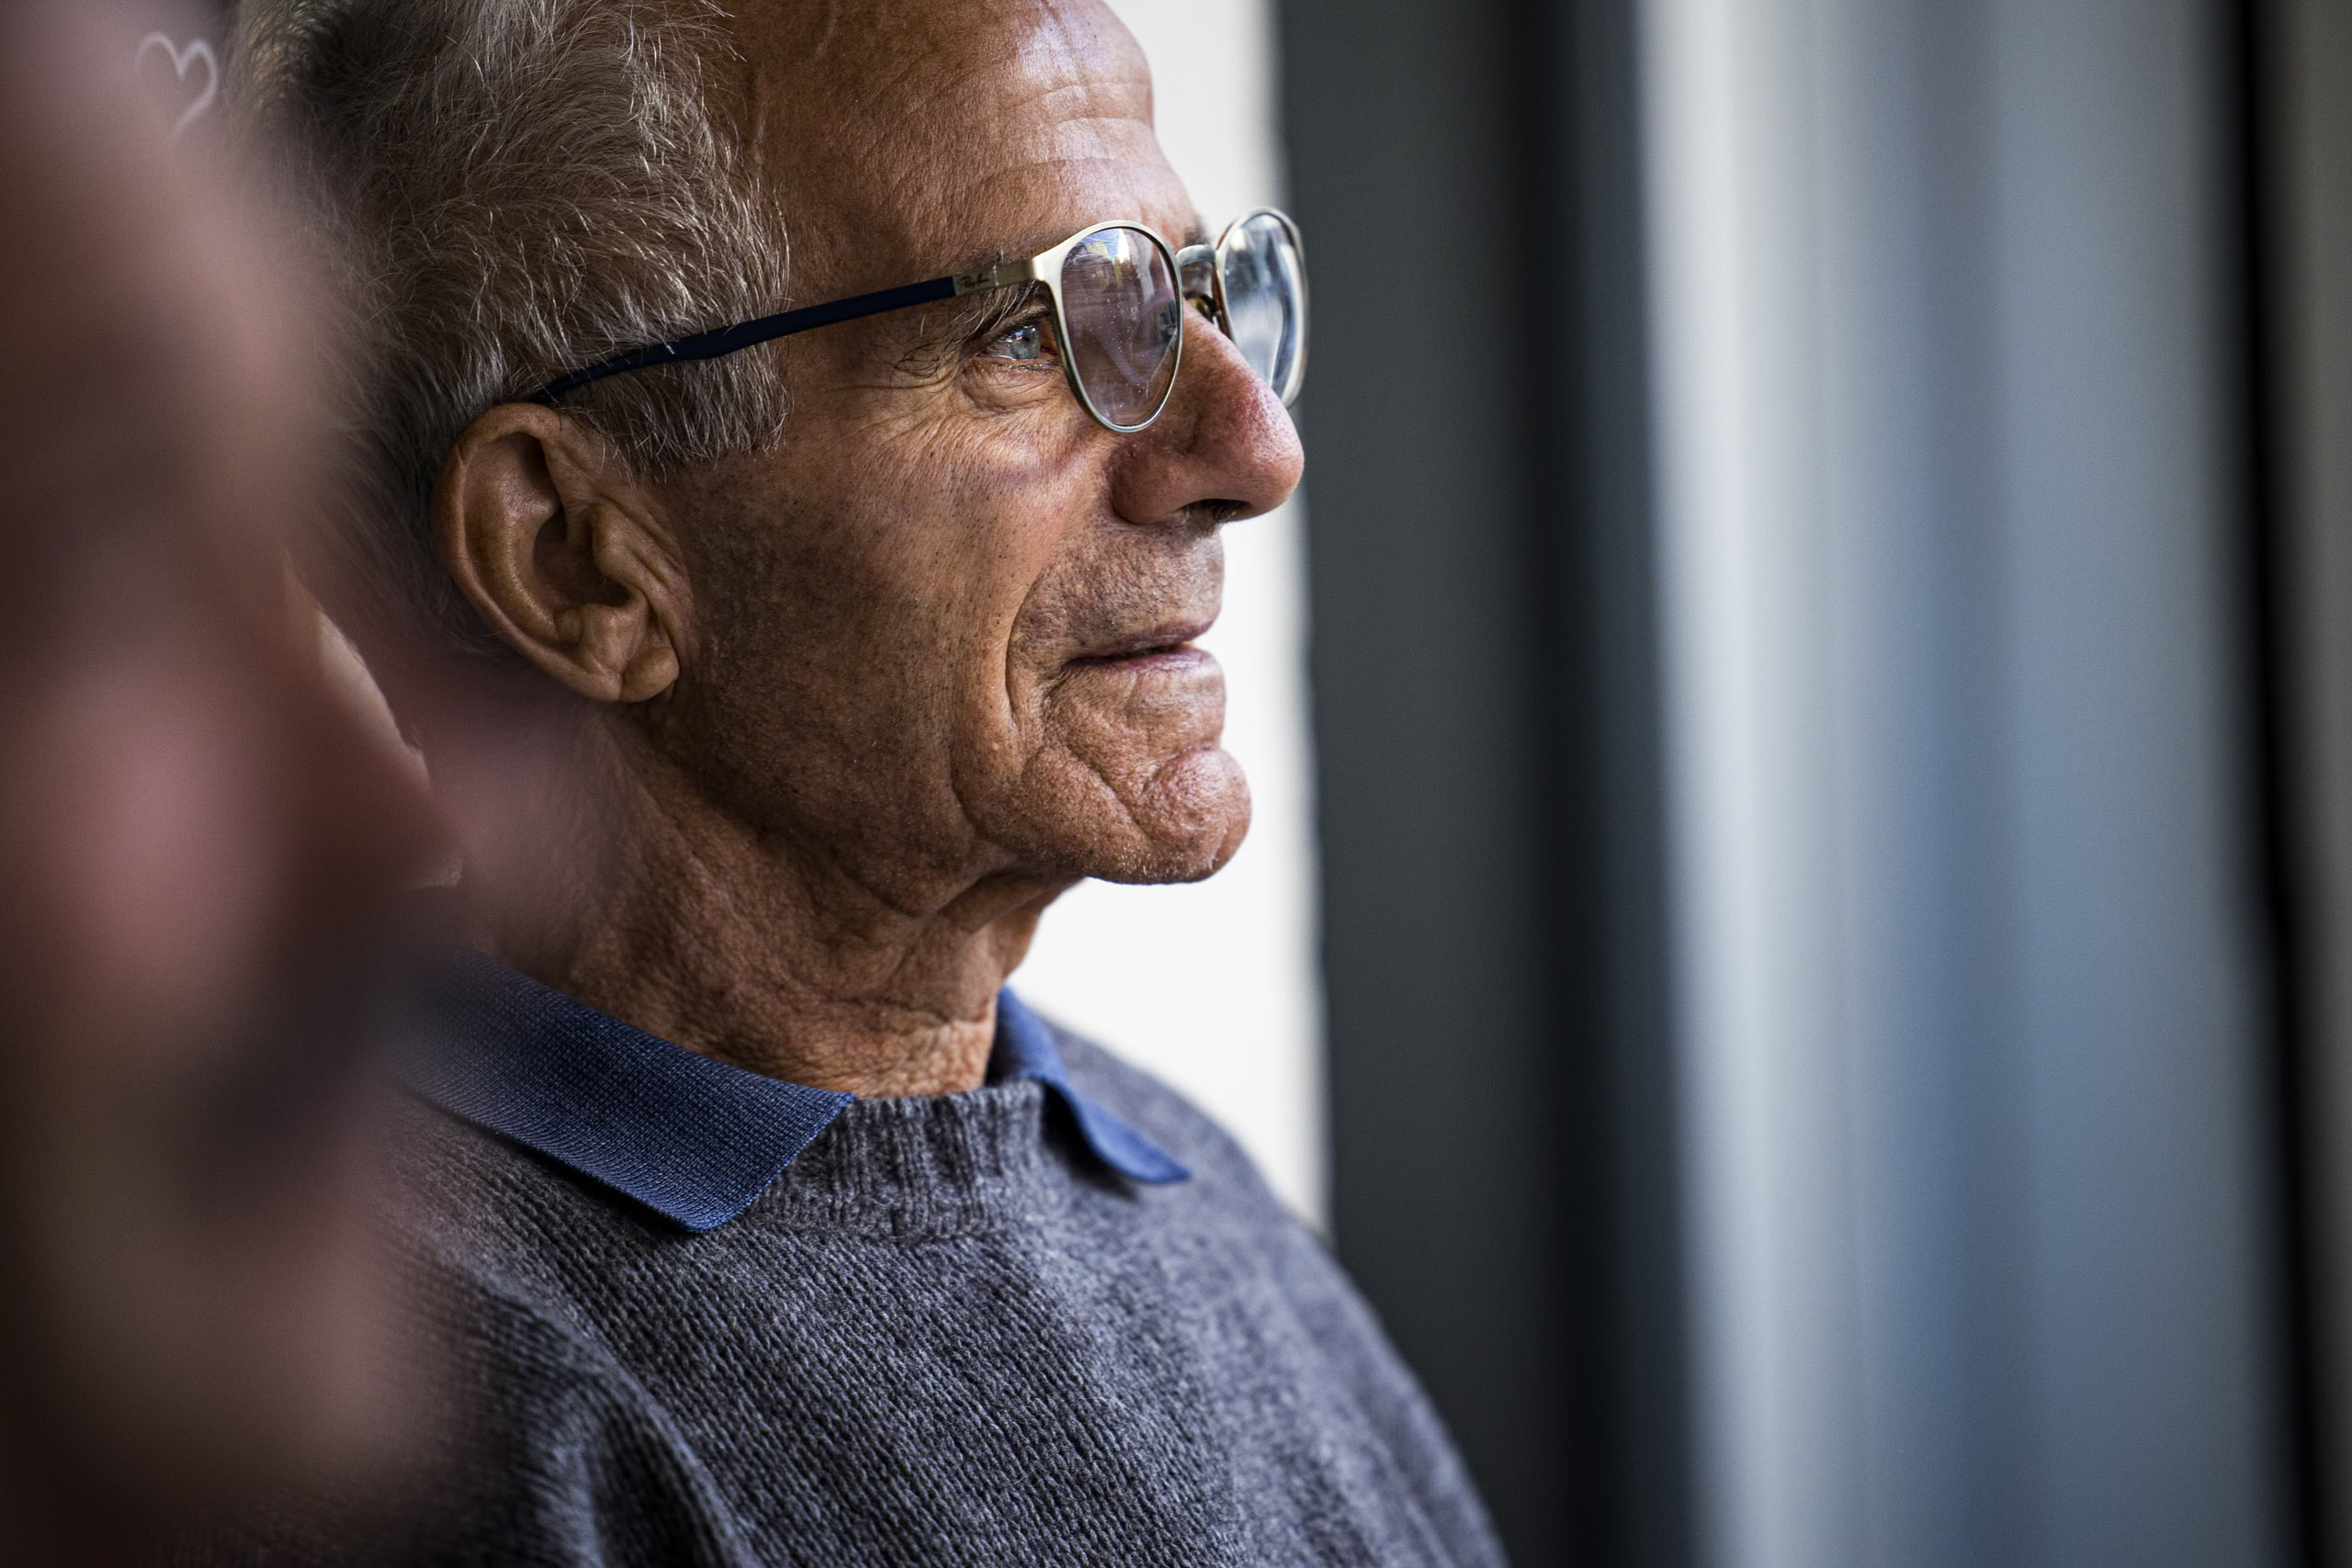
{"x": 782, "y": 669}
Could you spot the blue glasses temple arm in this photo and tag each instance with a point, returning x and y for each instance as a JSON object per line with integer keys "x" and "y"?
{"x": 743, "y": 334}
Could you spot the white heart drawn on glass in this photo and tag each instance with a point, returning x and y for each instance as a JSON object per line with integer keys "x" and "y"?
{"x": 182, "y": 56}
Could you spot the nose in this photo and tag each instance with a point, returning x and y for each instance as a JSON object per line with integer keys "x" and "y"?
{"x": 1224, "y": 446}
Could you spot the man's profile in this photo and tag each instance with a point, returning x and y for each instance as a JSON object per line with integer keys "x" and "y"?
{"x": 778, "y": 677}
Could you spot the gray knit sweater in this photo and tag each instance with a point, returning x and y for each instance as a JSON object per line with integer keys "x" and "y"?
{"x": 952, "y": 1330}
{"x": 942, "y": 1335}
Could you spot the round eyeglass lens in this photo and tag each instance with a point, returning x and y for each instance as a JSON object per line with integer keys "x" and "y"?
{"x": 1126, "y": 321}
{"x": 1265, "y": 299}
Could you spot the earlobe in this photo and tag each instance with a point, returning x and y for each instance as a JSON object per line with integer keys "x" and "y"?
{"x": 654, "y": 672}
{"x": 562, "y": 553}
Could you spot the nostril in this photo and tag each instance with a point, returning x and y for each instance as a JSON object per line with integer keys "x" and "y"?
{"x": 1216, "y": 514}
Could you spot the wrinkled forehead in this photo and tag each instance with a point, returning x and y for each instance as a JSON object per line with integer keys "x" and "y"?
{"x": 912, "y": 136}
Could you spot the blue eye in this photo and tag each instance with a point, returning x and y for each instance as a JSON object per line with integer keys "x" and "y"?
{"x": 1025, "y": 341}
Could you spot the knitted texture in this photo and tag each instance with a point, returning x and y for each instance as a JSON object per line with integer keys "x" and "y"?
{"x": 947, "y": 1334}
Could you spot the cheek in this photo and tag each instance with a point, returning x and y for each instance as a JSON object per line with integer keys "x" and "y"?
{"x": 874, "y": 581}
{"x": 1014, "y": 530}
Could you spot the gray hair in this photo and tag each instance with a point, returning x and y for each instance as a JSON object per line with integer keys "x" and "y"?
{"x": 529, "y": 187}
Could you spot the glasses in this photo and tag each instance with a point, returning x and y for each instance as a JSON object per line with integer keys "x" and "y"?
{"x": 1118, "y": 293}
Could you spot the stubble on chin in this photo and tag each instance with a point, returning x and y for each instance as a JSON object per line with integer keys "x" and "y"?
{"x": 1123, "y": 805}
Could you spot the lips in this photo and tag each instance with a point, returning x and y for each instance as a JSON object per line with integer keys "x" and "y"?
{"x": 1175, "y": 636}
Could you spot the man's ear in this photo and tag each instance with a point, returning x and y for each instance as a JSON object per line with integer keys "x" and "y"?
{"x": 563, "y": 552}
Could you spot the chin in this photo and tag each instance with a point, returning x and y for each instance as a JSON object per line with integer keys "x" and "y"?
{"x": 1184, "y": 824}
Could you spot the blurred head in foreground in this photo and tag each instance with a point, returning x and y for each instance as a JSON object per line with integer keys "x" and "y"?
{"x": 196, "y": 842}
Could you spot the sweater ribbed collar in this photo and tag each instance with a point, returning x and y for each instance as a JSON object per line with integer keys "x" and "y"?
{"x": 690, "y": 1137}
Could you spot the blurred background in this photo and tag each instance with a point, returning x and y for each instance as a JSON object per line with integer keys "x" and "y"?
{"x": 1799, "y": 931}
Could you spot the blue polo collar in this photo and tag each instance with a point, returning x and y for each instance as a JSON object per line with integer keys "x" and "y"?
{"x": 1025, "y": 1049}
{"x": 690, "y": 1137}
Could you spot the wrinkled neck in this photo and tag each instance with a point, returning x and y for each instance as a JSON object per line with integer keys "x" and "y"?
{"x": 653, "y": 904}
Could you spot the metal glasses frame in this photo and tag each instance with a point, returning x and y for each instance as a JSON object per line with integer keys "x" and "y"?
{"x": 1207, "y": 263}
{"x": 1201, "y": 263}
